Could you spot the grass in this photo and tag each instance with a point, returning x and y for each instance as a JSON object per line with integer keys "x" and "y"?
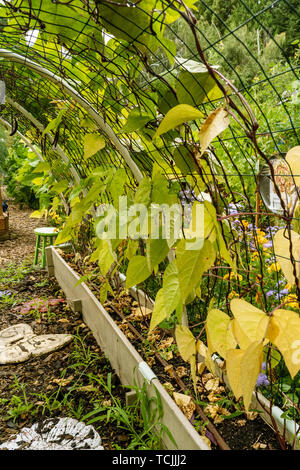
{"x": 10, "y": 299}
{"x": 19, "y": 405}
{"x": 13, "y": 274}
{"x": 142, "y": 419}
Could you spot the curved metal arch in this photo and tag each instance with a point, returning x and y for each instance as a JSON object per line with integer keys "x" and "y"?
{"x": 67, "y": 88}
{"x": 41, "y": 128}
{"x": 23, "y": 138}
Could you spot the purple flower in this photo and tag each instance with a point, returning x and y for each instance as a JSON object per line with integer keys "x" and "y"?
{"x": 235, "y": 204}
{"x": 272, "y": 230}
{"x": 4, "y": 292}
{"x": 281, "y": 294}
{"x": 278, "y": 296}
{"x": 234, "y": 208}
{"x": 262, "y": 380}
{"x": 268, "y": 245}
{"x": 270, "y": 293}
{"x": 284, "y": 291}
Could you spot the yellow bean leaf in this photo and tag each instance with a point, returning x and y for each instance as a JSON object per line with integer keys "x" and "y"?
{"x": 201, "y": 349}
{"x": 293, "y": 159}
{"x": 242, "y": 339}
{"x": 253, "y": 322}
{"x": 192, "y": 362}
{"x": 284, "y": 333}
{"x": 92, "y": 144}
{"x": 282, "y": 252}
{"x": 250, "y": 368}
{"x": 185, "y": 341}
{"x": 210, "y": 364}
{"x": 214, "y": 124}
{"x": 205, "y": 357}
{"x": 233, "y": 369}
{"x": 159, "y": 312}
{"x": 177, "y": 116}
{"x": 218, "y": 328}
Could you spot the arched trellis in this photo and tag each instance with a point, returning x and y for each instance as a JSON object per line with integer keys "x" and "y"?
{"x": 35, "y": 151}
{"x": 96, "y": 53}
{"x": 23, "y": 138}
{"x": 41, "y": 128}
{"x": 154, "y": 68}
{"x": 66, "y": 87}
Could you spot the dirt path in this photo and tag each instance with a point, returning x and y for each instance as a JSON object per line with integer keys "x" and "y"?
{"x": 20, "y": 247}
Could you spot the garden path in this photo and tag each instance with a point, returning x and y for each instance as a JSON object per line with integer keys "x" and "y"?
{"x": 21, "y": 244}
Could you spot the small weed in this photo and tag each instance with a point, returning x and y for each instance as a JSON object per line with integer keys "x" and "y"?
{"x": 42, "y": 284}
{"x": 18, "y": 408}
{"x": 199, "y": 424}
{"x": 19, "y": 405}
{"x": 13, "y": 274}
{"x": 83, "y": 356}
{"x": 141, "y": 420}
{"x": 165, "y": 353}
{"x": 49, "y": 403}
{"x": 229, "y": 403}
{"x": 76, "y": 410}
{"x": 10, "y": 299}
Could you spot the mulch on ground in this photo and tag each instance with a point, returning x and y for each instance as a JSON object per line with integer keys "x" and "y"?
{"x": 21, "y": 244}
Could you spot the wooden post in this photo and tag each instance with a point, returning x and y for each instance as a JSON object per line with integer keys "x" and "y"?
{"x": 4, "y": 224}
{"x": 2, "y": 221}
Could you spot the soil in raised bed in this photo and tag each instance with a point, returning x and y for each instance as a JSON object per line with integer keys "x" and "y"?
{"x": 58, "y": 373}
{"x": 241, "y": 431}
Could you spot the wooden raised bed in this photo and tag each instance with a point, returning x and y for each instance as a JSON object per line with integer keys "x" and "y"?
{"x": 123, "y": 357}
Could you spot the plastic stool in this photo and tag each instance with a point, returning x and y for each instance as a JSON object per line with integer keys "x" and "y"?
{"x": 44, "y": 232}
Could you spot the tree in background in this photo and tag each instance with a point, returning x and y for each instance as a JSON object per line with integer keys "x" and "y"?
{"x": 20, "y": 189}
{"x": 241, "y": 43}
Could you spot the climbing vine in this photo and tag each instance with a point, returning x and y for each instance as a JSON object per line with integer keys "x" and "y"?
{"x": 122, "y": 119}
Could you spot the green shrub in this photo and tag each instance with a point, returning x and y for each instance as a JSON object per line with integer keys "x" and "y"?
{"x": 19, "y": 185}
